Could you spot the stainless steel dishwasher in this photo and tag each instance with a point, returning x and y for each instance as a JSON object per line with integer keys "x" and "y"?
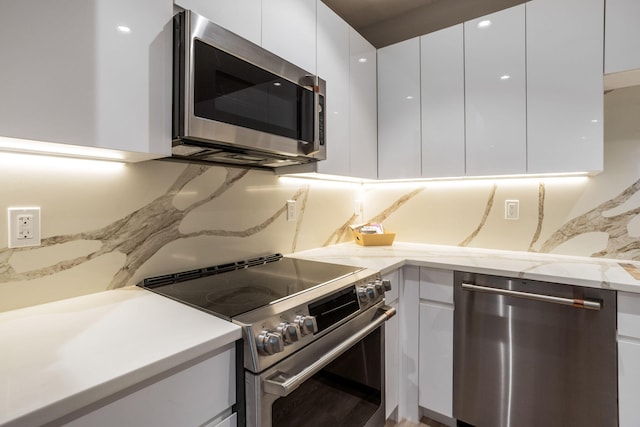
{"x": 530, "y": 353}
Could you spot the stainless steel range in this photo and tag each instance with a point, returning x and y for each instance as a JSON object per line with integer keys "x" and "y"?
{"x": 313, "y": 336}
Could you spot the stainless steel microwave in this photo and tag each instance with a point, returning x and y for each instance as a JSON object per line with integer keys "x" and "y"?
{"x": 235, "y": 103}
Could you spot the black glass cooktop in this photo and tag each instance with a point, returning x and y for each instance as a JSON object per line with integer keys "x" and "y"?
{"x": 229, "y": 292}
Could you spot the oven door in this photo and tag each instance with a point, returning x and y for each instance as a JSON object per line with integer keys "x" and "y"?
{"x": 336, "y": 381}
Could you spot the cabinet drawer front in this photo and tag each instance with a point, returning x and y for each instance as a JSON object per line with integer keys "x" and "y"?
{"x": 192, "y": 396}
{"x": 629, "y": 315}
{"x": 436, "y": 285}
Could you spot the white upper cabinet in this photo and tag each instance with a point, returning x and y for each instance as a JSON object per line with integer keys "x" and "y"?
{"x": 399, "y": 150}
{"x": 243, "y": 17}
{"x": 333, "y": 66}
{"x": 622, "y": 44}
{"x": 91, "y": 74}
{"x": 363, "y": 111}
{"x": 495, "y": 93}
{"x": 622, "y": 36}
{"x": 289, "y": 31}
{"x": 442, "y": 86}
{"x": 564, "y": 85}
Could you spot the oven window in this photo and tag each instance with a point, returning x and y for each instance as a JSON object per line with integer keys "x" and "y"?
{"x": 347, "y": 393}
{"x": 230, "y": 90}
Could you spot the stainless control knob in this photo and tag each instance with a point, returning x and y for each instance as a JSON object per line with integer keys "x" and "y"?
{"x": 270, "y": 343}
{"x": 308, "y": 324}
{"x": 372, "y": 292}
{"x": 290, "y": 332}
{"x": 379, "y": 287}
{"x": 382, "y": 286}
{"x": 362, "y": 294}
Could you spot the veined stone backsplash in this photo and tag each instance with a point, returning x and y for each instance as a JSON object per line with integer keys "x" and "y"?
{"x": 108, "y": 229}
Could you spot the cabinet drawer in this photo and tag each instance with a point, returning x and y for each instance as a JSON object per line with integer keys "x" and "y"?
{"x": 191, "y": 396}
{"x": 436, "y": 285}
{"x": 629, "y": 315}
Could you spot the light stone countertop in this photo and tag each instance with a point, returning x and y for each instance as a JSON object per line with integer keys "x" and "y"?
{"x": 571, "y": 270}
{"x": 59, "y": 357}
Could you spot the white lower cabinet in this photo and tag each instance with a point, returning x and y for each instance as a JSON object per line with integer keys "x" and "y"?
{"x": 436, "y": 341}
{"x": 230, "y": 421}
{"x": 392, "y": 346}
{"x": 628, "y": 359}
{"x": 199, "y": 394}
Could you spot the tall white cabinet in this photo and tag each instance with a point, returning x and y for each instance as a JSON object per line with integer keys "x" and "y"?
{"x": 564, "y": 85}
{"x": 289, "y": 31}
{"x": 91, "y": 74}
{"x": 495, "y": 93}
{"x": 399, "y": 139}
{"x": 333, "y": 66}
{"x": 363, "y": 107}
{"x": 622, "y": 37}
{"x": 243, "y": 17}
{"x": 347, "y": 62}
{"x": 442, "y": 102}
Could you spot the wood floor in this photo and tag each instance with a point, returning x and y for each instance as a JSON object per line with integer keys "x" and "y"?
{"x": 424, "y": 422}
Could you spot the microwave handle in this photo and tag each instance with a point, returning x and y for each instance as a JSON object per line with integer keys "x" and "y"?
{"x": 318, "y": 111}
{"x": 282, "y": 384}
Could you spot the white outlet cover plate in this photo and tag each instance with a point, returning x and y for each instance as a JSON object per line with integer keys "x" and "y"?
{"x": 512, "y": 209}
{"x": 12, "y": 215}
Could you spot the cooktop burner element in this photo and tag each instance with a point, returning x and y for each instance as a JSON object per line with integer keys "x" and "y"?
{"x": 228, "y": 292}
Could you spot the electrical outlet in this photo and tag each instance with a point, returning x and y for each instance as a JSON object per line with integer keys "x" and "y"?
{"x": 512, "y": 209}
{"x": 291, "y": 210}
{"x": 357, "y": 207}
{"x": 24, "y": 227}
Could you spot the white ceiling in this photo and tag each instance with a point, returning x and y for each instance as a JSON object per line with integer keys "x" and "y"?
{"x": 384, "y": 22}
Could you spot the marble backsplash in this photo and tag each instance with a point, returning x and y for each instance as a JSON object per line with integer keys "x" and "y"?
{"x": 105, "y": 229}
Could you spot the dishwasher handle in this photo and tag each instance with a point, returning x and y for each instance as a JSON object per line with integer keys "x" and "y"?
{"x": 574, "y": 302}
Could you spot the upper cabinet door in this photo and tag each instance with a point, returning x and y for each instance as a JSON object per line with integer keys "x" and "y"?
{"x": 442, "y": 98}
{"x": 622, "y": 36}
{"x": 363, "y": 111}
{"x": 564, "y": 85}
{"x": 243, "y": 17}
{"x": 333, "y": 66}
{"x": 289, "y": 31}
{"x": 399, "y": 152}
{"x": 92, "y": 74}
{"x": 495, "y": 93}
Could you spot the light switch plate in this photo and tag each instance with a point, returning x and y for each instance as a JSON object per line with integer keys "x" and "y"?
{"x": 24, "y": 227}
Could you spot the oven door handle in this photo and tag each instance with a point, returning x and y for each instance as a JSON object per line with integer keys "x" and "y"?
{"x": 284, "y": 386}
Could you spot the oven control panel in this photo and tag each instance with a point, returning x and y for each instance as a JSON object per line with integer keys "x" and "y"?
{"x": 371, "y": 292}
{"x": 293, "y": 326}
